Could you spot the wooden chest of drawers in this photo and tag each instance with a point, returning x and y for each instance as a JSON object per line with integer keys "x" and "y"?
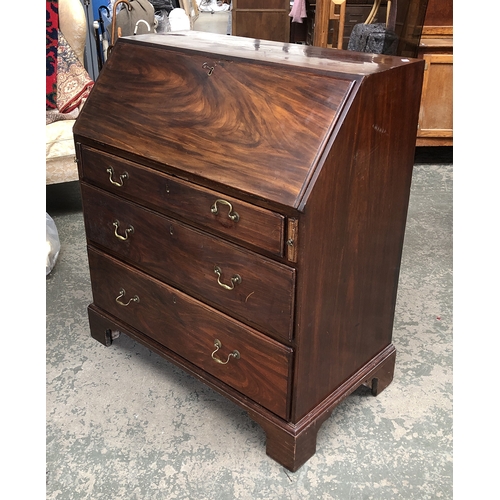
{"x": 245, "y": 205}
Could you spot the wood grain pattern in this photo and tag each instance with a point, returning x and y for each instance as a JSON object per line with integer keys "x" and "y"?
{"x": 439, "y": 13}
{"x": 436, "y": 111}
{"x": 436, "y": 48}
{"x": 263, "y": 229}
{"x": 322, "y": 141}
{"x": 346, "y": 298}
{"x": 262, "y": 19}
{"x": 189, "y": 328}
{"x": 186, "y": 259}
{"x": 257, "y": 130}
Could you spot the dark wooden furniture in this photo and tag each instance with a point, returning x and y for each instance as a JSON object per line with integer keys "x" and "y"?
{"x": 435, "y": 126}
{"x": 263, "y": 19}
{"x": 245, "y": 207}
{"x": 321, "y": 31}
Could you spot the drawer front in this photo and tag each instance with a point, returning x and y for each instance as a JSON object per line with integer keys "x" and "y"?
{"x": 196, "y": 262}
{"x": 167, "y": 194}
{"x": 261, "y": 370}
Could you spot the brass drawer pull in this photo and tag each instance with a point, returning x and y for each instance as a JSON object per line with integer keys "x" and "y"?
{"x": 218, "y": 345}
{"x": 135, "y": 298}
{"x": 235, "y": 280}
{"x": 232, "y": 215}
{"x": 122, "y": 177}
{"x": 128, "y": 231}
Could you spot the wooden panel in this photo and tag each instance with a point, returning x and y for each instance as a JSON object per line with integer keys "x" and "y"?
{"x": 190, "y": 328}
{"x": 187, "y": 258}
{"x": 256, "y": 135}
{"x": 261, "y": 19}
{"x": 265, "y": 25}
{"x": 326, "y": 138}
{"x": 346, "y": 296}
{"x": 439, "y": 13}
{"x": 435, "y": 126}
{"x": 436, "y": 111}
{"x": 260, "y": 4}
{"x": 259, "y": 227}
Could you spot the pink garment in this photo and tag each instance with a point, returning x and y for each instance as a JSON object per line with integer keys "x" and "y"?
{"x": 298, "y": 11}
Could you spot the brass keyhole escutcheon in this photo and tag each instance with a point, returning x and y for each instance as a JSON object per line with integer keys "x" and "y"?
{"x": 205, "y": 65}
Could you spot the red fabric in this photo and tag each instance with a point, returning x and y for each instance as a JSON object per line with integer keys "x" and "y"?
{"x": 52, "y": 27}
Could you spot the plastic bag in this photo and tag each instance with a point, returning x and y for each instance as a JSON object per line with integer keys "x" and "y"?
{"x": 53, "y": 244}
{"x": 179, "y": 20}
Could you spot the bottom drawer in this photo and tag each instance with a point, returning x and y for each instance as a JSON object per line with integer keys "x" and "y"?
{"x": 251, "y": 363}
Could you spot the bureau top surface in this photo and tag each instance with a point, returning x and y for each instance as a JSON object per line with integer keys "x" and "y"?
{"x": 250, "y": 114}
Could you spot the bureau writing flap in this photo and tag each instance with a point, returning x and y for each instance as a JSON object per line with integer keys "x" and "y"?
{"x": 258, "y": 127}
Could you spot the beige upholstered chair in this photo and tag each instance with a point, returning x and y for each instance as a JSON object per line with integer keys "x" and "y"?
{"x": 60, "y": 150}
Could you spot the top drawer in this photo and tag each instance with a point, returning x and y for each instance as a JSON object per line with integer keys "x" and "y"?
{"x": 167, "y": 194}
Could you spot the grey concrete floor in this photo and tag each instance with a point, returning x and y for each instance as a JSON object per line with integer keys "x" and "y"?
{"x": 122, "y": 423}
{"x": 213, "y": 22}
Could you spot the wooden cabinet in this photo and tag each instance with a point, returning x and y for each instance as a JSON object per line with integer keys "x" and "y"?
{"x": 410, "y": 16}
{"x": 435, "y": 126}
{"x": 322, "y": 31}
{"x": 262, "y": 19}
{"x": 244, "y": 211}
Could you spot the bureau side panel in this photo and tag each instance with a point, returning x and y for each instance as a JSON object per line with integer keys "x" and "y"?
{"x": 351, "y": 237}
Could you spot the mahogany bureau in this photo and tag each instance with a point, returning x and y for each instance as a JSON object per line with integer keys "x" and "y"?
{"x": 245, "y": 205}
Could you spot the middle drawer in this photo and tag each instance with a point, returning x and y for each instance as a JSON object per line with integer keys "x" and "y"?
{"x": 243, "y": 284}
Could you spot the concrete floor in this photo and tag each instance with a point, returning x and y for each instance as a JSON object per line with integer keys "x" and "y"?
{"x": 122, "y": 423}
{"x": 213, "y": 22}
